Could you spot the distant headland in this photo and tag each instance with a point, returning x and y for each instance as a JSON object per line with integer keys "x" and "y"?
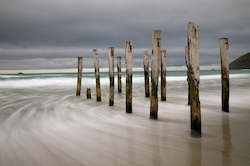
{"x": 243, "y": 62}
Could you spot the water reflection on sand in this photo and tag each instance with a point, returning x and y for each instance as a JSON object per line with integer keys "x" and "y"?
{"x": 227, "y": 146}
{"x": 49, "y": 126}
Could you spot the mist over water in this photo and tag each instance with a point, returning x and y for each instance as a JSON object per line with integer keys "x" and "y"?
{"x": 43, "y": 123}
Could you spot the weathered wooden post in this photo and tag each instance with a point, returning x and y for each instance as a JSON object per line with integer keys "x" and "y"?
{"x": 79, "y": 77}
{"x": 155, "y": 68}
{"x": 88, "y": 93}
{"x": 97, "y": 75}
{"x": 111, "y": 76}
{"x": 119, "y": 74}
{"x": 188, "y": 75}
{"x": 163, "y": 74}
{"x": 194, "y": 71}
{"x": 129, "y": 64}
{"x": 224, "y": 55}
{"x": 146, "y": 75}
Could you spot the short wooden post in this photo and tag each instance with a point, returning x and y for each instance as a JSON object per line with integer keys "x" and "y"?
{"x": 155, "y": 68}
{"x": 97, "y": 75}
{"x": 188, "y": 75}
{"x": 88, "y": 93}
{"x": 146, "y": 74}
{"x": 79, "y": 77}
{"x": 224, "y": 55}
{"x": 111, "y": 76}
{"x": 194, "y": 71}
{"x": 129, "y": 64}
{"x": 163, "y": 74}
{"x": 119, "y": 74}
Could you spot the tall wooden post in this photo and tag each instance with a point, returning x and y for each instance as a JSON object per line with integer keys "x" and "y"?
{"x": 129, "y": 65}
{"x": 97, "y": 75}
{"x": 155, "y": 67}
{"x": 119, "y": 74}
{"x": 111, "y": 76}
{"x": 163, "y": 74}
{"x": 224, "y": 55}
{"x": 79, "y": 77}
{"x": 146, "y": 74}
{"x": 188, "y": 73}
{"x": 194, "y": 71}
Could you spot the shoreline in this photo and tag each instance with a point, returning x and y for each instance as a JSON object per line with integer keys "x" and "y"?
{"x": 51, "y": 120}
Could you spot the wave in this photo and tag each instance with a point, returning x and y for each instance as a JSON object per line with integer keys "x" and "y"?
{"x": 10, "y": 76}
{"x": 90, "y": 81}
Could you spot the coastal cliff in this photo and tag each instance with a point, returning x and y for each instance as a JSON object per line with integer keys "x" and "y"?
{"x": 243, "y": 62}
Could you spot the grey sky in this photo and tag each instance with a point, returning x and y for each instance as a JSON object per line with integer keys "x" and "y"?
{"x": 51, "y": 33}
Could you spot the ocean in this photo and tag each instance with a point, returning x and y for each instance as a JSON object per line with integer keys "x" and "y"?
{"x": 69, "y": 79}
{"x": 42, "y": 122}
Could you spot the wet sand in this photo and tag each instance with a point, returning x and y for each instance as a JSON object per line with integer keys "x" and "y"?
{"x": 50, "y": 126}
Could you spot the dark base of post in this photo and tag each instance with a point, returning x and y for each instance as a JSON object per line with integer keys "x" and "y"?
{"x": 225, "y": 96}
{"x": 111, "y": 92}
{"x": 98, "y": 99}
{"x": 154, "y": 115}
{"x": 195, "y": 109}
{"x": 163, "y": 98}
{"x": 129, "y": 94}
{"x": 225, "y": 108}
{"x": 196, "y": 129}
{"x": 147, "y": 93}
{"x": 129, "y": 108}
{"x": 119, "y": 85}
{"x": 189, "y": 98}
{"x": 225, "y": 105}
{"x": 88, "y": 93}
{"x": 111, "y": 103}
{"x": 119, "y": 91}
{"x": 154, "y": 101}
{"x": 195, "y": 133}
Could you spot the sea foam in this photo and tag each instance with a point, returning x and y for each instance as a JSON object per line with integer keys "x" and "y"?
{"x": 22, "y": 82}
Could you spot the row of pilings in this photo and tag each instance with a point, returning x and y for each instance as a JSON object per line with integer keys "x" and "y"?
{"x": 158, "y": 67}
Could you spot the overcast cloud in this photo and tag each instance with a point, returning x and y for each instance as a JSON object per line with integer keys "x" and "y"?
{"x": 52, "y": 33}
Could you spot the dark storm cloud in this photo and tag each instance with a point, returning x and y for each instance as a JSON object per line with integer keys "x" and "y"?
{"x": 42, "y": 29}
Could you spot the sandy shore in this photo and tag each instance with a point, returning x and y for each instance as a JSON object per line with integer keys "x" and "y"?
{"x": 50, "y": 126}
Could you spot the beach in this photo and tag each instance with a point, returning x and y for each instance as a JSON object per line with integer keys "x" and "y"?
{"x": 42, "y": 122}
